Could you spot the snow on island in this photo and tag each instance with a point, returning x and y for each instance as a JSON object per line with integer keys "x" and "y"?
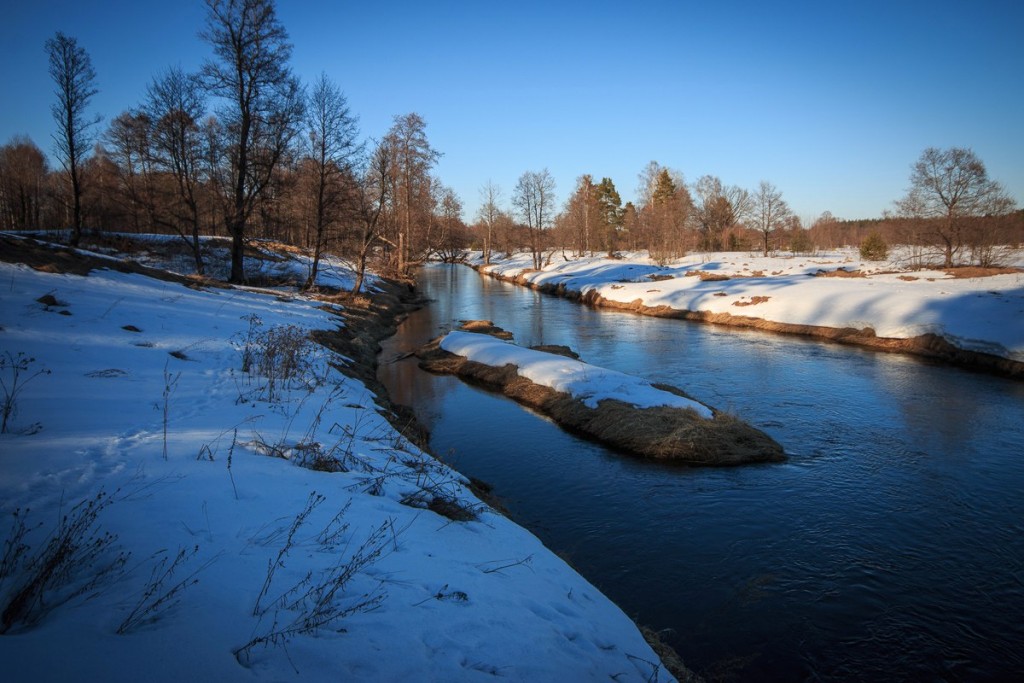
{"x": 226, "y": 520}
{"x": 619, "y": 410}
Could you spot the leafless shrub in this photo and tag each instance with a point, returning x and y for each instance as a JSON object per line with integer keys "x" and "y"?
{"x": 279, "y": 358}
{"x": 160, "y": 594}
{"x": 13, "y": 369}
{"x": 314, "y": 500}
{"x": 74, "y": 559}
{"x": 321, "y": 600}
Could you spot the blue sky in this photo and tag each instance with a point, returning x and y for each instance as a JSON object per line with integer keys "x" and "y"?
{"x": 830, "y": 101}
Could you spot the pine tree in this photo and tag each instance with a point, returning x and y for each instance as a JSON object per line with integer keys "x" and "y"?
{"x": 610, "y": 204}
{"x": 874, "y": 248}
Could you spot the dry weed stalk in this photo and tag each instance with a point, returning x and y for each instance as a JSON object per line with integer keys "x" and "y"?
{"x": 17, "y": 366}
{"x": 320, "y": 600}
{"x": 157, "y": 599}
{"x": 75, "y": 559}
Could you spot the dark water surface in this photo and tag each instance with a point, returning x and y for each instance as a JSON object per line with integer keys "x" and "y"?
{"x": 889, "y": 547}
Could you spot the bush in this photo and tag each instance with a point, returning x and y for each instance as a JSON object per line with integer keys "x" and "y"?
{"x": 874, "y": 248}
{"x": 72, "y": 560}
{"x": 280, "y": 358}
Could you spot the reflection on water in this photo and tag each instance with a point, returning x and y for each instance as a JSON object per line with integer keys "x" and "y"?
{"x": 889, "y": 547}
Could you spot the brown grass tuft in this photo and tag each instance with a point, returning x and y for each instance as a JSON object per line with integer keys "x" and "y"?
{"x": 839, "y": 272}
{"x": 978, "y": 271}
{"x": 484, "y": 327}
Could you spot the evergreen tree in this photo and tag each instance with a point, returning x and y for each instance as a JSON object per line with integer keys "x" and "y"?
{"x": 664, "y": 188}
{"x": 610, "y": 204}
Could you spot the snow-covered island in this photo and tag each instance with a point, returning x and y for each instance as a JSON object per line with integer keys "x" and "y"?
{"x": 620, "y": 410}
{"x": 970, "y": 316}
{"x": 191, "y": 491}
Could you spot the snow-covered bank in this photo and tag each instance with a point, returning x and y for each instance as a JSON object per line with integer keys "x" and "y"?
{"x": 225, "y": 559}
{"x": 885, "y": 306}
{"x": 588, "y": 383}
{"x": 618, "y": 410}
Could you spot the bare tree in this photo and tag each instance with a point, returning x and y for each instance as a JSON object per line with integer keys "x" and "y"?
{"x": 413, "y": 159}
{"x": 490, "y": 195}
{"x": 582, "y": 215}
{"x": 333, "y": 129}
{"x": 719, "y": 207}
{"x": 126, "y": 143}
{"x": 373, "y": 193}
{"x": 451, "y": 241}
{"x": 264, "y": 105}
{"x": 22, "y": 185}
{"x": 175, "y": 105}
{"x": 72, "y": 72}
{"x": 949, "y": 188}
{"x": 534, "y": 196}
{"x": 770, "y": 211}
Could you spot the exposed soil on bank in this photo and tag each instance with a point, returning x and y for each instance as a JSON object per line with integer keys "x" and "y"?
{"x": 931, "y": 346}
{"x": 662, "y": 433}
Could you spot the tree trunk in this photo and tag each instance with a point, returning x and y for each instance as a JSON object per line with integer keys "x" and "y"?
{"x": 237, "y": 256}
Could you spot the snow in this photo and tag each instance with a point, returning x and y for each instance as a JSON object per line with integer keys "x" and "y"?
{"x": 589, "y": 383}
{"x": 984, "y": 314}
{"x": 441, "y": 599}
{"x": 278, "y": 264}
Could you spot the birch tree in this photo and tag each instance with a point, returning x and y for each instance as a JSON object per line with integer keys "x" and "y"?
{"x": 488, "y": 214}
{"x": 534, "y": 197}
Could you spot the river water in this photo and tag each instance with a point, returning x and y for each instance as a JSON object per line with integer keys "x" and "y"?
{"x": 890, "y": 546}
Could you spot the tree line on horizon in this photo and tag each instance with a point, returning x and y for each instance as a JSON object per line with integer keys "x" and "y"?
{"x": 242, "y": 149}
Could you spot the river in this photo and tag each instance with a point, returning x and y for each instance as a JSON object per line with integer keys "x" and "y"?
{"x": 890, "y": 546}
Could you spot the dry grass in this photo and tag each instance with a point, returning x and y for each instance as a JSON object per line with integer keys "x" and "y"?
{"x": 707, "y": 276}
{"x": 754, "y": 300}
{"x": 839, "y": 272}
{"x": 484, "y": 327}
{"x": 670, "y": 659}
{"x": 978, "y": 271}
{"x": 557, "y": 349}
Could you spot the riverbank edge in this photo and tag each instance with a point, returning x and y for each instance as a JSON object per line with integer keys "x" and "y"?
{"x": 928, "y": 346}
{"x": 367, "y": 324}
{"x": 368, "y": 319}
{"x": 665, "y": 434}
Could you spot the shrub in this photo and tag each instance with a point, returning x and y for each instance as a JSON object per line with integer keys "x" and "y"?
{"x": 74, "y": 559}
{"x": 279, "y": 357}
{"x": 15, "y": 373}
{"x": 874, "y": 248}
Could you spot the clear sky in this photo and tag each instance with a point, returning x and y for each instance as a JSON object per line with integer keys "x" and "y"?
{"x": 831, "y": 101}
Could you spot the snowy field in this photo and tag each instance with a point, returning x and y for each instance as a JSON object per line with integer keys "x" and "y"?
{"x": 157, "y": 521}
{"x": 984, "y": 314}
